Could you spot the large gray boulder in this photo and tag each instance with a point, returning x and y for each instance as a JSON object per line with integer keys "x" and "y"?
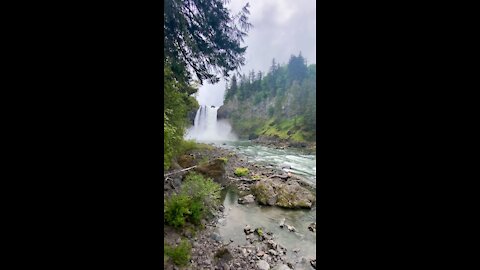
{"x": 279, "y": 193}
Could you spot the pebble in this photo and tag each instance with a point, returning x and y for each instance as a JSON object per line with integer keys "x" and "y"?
{"x": 282, "y": 223}
{"x": 291, "y": 228}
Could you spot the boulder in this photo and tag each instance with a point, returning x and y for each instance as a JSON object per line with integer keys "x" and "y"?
{"x": 214, "y": 169}
{"x": 186, "y": 161}
{"x": 248, "y": 230}
{"x": 263, "y": 265}
{"x": 312, "y": 227}
{"x": 292, "y": 195}
{"x": 264, "y": 192}
{"x": 246, "y": 199}
{"x": 287, "y": 195}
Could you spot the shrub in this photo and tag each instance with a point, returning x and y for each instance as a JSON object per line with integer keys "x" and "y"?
{"x": 177, "y": 209}
{"x": 196, "y": 210}
{"x": 202, "y": 190}
{"x": 180, "y": 254}
{"x": 197, "y": 196}
{"x": 241, "y": 171}
{"x": 224, "y": 159}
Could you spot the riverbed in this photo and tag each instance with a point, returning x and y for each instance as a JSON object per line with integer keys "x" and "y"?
{"x": 268, "y": 217}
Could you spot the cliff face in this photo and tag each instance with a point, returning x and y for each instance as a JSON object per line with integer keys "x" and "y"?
{"x": 245, "y": 110}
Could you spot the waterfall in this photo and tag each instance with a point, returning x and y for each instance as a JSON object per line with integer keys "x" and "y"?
{"x": 206, "y": 127}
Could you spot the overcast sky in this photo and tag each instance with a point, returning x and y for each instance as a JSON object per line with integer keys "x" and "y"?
{"x": 280, "y": 28}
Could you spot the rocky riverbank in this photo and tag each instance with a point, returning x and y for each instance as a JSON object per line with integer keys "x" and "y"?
{"x": 262, "y": 185}
{"x": 276, "y": 142}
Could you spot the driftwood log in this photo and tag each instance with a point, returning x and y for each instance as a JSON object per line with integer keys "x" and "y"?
{"x": 175, "y": 172}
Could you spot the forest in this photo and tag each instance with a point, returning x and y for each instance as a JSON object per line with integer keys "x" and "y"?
{"x": 281, "y": 102}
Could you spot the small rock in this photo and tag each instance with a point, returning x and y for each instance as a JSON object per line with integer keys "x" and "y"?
{"x": 291, "y": 228}
{"x": 248, "y": 229}
{"x": 263, "y": 265}
{"x": 273, "y": 252}
{"x": 260, "y": 254}
{"x": 271, "y": 244}
{"x": 312, "y": 227}
{"x": 216, "y": 237}
{"x": 282, "y": 222}
{"x": 285, "y": 166}
{"x": 246, "y": 199}
{"x": 314, "y": 263}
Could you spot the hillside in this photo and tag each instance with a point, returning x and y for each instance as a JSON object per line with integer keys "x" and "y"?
{"x": 281, "y": 104}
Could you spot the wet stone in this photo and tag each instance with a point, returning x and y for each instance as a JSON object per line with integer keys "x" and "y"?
{"x": 263, "y": 265}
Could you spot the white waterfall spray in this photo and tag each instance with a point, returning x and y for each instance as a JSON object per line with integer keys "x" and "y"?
{"x": 207, "y": 128}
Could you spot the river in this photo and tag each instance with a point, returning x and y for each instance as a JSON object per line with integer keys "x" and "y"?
{"x": 238, "y": 215}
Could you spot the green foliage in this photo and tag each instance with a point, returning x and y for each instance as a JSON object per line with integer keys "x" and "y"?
{"x": 197, "y": 196}
{"x": 256, "y": 177}
{"x": 202, "y": 190}
{"x": 241, "y": 171}
{"x": 180, "y": 254}
{"x": 224, "y": 159}
{"x": 291, "y": 94}
{"x": 177, "y": 103}
{"x": 271, "y": 111}
{"x": 177, "y": 209}
{"x": 259, "y": 231}
{"x": 202, "y": 36}
{"x": 196, "y": 211}
{"x": 188, "y": 145}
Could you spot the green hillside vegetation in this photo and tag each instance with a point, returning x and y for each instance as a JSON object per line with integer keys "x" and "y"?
{"x": 290, "y": 93}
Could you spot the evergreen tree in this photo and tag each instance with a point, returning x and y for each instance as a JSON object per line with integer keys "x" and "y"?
{"x": 203, "y": 38}
{"x": 296, "y": 69}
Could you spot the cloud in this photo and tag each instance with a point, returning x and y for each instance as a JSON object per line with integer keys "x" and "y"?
{"x": 280, "y": 28}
